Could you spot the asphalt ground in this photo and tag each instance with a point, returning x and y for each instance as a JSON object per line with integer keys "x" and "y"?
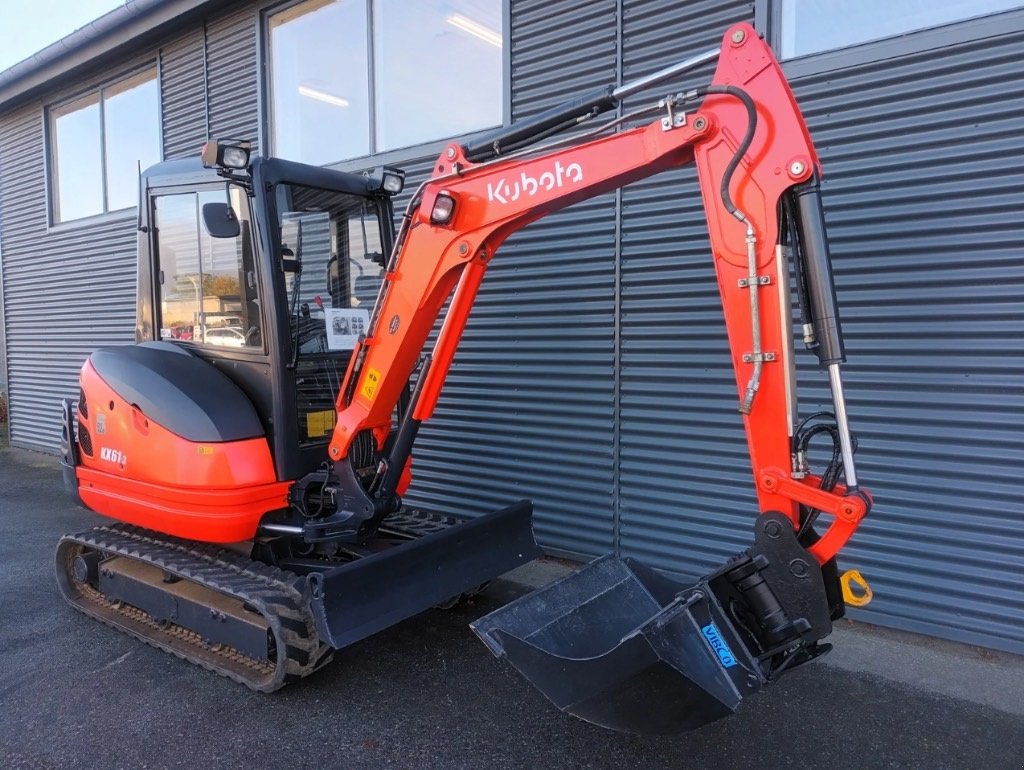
{"x": 427, "y": 694}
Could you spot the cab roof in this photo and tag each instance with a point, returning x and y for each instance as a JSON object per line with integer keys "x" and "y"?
{"x": 268, "y": 170}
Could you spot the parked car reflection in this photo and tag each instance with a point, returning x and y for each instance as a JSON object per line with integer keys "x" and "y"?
{"x": 226, "y": 336}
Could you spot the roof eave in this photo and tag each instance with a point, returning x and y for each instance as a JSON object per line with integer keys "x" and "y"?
{"x": 135, "y": 23}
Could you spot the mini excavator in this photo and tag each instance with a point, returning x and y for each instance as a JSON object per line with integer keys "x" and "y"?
{"x": 255, "y": 444}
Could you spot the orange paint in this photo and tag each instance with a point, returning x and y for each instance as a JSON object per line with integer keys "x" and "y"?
{"x": 144, "y": 474}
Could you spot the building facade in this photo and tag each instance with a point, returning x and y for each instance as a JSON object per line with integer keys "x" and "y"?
{"x": 594, "y": 376}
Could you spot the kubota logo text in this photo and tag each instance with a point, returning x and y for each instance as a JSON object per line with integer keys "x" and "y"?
{"x": 115, "y": 456}
{"x": 504, "y": 191}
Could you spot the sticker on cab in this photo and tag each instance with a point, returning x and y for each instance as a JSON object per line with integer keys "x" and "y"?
{"x": 319, "y": 423}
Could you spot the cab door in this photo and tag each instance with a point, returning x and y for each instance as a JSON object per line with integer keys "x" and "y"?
{"x": 206, "y": 287}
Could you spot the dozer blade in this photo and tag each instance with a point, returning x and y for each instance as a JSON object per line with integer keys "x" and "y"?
{"x": 625, "y": 647}
{"x": 355, "y": 600}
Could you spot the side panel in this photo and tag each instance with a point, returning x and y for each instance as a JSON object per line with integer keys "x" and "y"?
{"x": 138, "y": 471}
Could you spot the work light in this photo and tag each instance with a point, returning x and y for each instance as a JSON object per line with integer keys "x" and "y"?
{"x": 390, "y": 180}
{"x": 393, "y": 182}
{"x": 229, "y": 154}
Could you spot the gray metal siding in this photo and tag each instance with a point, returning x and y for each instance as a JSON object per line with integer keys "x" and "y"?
{"x": 924, "y": 194}
{"x": 233, "y": 83}
{"x": 686, "y": 499}
{"x": 66, "y": 291}
{"x": 528, "y": 409}
{"x": 183, "y": 95}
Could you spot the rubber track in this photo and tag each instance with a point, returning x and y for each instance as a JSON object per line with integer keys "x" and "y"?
{"x": 274, "y": 593}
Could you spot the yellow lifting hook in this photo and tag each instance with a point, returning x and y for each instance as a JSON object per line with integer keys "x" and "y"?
{"x": 850, "y": 580}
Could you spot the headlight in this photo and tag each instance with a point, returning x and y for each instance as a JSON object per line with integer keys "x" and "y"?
{"x": 444, "y": 207}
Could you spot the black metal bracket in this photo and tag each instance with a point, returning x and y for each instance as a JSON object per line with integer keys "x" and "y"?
{"x": 793, "y": 575}
{"x": 70, "y": 458}
{"x": 343, "y": 512}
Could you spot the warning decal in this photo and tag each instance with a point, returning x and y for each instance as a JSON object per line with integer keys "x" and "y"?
{"x": 370, "y": 383}
{"x": 319, "y": 423}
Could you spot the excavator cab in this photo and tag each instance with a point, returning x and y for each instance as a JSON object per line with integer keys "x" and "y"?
{"x": 269, "y": 275}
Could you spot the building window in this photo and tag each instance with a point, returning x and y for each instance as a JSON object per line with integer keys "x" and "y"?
{"x": 98, "y": 142}
{"x": 436, "y": 72}
{"x": 823, "y": 25}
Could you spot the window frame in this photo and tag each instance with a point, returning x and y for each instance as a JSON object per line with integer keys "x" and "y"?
{"x": 52, "y": 176}
{"x": 419, "y": 149}
{"x": 768, "y": 16}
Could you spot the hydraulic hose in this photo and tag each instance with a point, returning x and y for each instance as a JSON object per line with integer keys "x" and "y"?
{"x": 744, "y": 144}
{"x": 757, "y": 355}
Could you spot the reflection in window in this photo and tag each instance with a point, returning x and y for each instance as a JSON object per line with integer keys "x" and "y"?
{"x": 79, "y": 175}
{"x": 99, "y": 143}
{"x": 320, "y": 92}
{"x": 324, "y": 107}
{"x": 810, "y": 27}
{"x": 455, "y": 48}
{"x": 336, "y": 238}
{"x": 207, "y": 285}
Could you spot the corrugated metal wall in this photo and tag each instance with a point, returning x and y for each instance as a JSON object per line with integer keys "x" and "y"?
{"x": 686, "y": 497}
{"x": 183, "y": 95}
{"x": 594, "y": 376}
{"x": 66, "y": 291}
{"x": 232, "y": 80}
{"x": 924, "y": 194}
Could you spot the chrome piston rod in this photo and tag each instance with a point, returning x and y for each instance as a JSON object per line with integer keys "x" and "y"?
{"x": 627, "y": 89}
{"x": 843, "y": 423}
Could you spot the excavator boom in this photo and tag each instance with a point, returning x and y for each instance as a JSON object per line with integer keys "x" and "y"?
{"x": 754, "y": 158}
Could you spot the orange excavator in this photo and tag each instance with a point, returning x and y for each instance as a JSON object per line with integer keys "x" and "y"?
{"x": 256, "y": 442}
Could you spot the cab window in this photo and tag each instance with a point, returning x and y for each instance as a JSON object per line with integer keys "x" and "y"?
{"x": 206, "y": 281}
{"x": 331, "y": 259}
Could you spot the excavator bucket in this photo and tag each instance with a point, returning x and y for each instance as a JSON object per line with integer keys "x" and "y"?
{"x": 627, "y": 648}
